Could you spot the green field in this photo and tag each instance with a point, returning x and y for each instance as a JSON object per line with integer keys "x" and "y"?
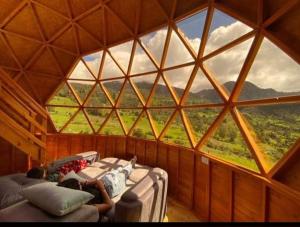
{"x": 275, "y": 128}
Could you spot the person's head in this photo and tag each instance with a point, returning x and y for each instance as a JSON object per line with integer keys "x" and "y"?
{"x": 70, "y": 183}
{"x": 37, "y": 173}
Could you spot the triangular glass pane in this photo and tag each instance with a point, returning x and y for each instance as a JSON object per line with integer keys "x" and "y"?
{"x": 144, "y": 84}
{"x": 201, "y": 119}
{"x": 202, "y": 91}
{"x": 143, "y": 128}
{"x": 97, "y": 98}
{"x": 228, "y": 144}
{"x": 192, "y": 28}
{"x": 176, "y": 133}
{"x": 110, "y": 69}
{"x": 113, "y": 87}
{"x": 155, "y": 42}
{"x": 112, "y": 126}
{"x": 177, "y": 52}
{"x": 97, "y": 116}
{"x": 178, "y": 78}
{"x": 273, "y": 74}
{"x": 129, "y": 116}
{"x": 60, "y": 115}
{"x": 129, "y": 98}
{"x": 274, "y": 127}
{"x": 226, "y": 66}
{"x": 121, "y": 54}
{"x": 162, "y": 96}
{"x": 93, "y": 61}
{"x": 160, "y": 118}
{"x": 81, "y": 88}
{"x": 81, "y": 72}
{"x": 223, "y": 30}
{"x": 79, "y": 125}
{"x": 141, "y": 62}
{"x": 64, "y": 97}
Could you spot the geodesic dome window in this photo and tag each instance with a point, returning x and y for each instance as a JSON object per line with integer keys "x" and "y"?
{"x": 229, "y": 91}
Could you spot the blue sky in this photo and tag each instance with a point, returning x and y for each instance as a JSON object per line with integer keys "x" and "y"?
{"x": 193, "y": 26}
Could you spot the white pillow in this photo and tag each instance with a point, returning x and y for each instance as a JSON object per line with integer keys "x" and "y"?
{"x": 72, "y": 174}
{"x": 56, "y": 200}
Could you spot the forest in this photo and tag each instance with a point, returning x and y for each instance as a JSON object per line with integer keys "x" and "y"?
{"x": 275, "y": 127}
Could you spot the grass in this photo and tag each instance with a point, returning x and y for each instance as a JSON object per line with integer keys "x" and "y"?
{"x": 275, "y": 134}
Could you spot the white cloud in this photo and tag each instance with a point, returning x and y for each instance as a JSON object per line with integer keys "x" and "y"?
{"x": 272, "y": 67}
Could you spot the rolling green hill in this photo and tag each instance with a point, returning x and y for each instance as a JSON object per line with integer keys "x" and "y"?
{"x": 275, "y": 127}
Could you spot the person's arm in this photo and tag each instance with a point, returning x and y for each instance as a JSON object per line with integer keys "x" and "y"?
{"x": 107, "y": 203}
{"x": 60, "y": 177}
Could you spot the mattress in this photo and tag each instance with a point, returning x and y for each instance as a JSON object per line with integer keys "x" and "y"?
{"x": 26, "y": 212}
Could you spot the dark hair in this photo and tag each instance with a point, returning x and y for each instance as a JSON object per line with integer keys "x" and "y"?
{"x": 36, "y": 172}
{"x": 70, "y": 183}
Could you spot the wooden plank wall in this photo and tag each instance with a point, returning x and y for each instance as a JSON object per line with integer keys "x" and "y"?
{"x": 215, "y": 190}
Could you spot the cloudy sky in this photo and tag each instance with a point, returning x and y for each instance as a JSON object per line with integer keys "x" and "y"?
{"x": 272, "y": 68}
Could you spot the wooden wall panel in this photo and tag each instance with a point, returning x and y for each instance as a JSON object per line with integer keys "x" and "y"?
{"x": 63, "y": 148}
{"x": 248, "y": 198}
{"x": 186, "y": 177}
{"x": 12, "y": 160}
{"x": 173, "y": 170}
{"x": 110, "y": 146}
{"x": 130, "y": 148}
{"x": 6, "y": 157}
{"x": 76, "y": 145}
{"x": 101, "y": 146}
{"x": 120, "y": 147}
{"x": 89, "y": 143}
{"x": 201, "y": 189}
{"x": 221, "y": 197}
{"x": 140, "y": 151}
{"x": 162, "y": 156}
{"x": 51, "y": 143}
{"x": 151, "y": 153}
{"x": 282, "y": 208}
{"x": 216, "y": 191}
{"x": 290, "y": 174}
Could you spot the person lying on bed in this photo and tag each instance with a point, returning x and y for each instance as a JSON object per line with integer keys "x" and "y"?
{"x": 109, "y": 186}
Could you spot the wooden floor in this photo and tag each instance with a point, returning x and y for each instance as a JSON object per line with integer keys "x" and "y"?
{"x": 178, "y": 213}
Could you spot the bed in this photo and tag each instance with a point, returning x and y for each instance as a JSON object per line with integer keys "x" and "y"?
{"x": 143, "y": 199}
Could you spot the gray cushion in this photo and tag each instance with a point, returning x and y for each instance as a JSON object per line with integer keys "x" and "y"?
{"x": 11, "y": 187}
{"x": 9, "y": 193}
{"x": 56, "y": 200}
{"x": 27, "y": 212}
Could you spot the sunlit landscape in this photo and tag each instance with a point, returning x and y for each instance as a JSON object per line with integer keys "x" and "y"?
{"x": 141, "y": 105}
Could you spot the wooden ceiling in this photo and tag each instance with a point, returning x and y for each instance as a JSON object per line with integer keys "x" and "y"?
{"x": 41, "y": 39}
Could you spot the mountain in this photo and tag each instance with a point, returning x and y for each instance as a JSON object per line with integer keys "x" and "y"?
{"x": 250, "y": 91}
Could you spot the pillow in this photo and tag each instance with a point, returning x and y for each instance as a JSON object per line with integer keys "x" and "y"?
{"x": 56, "y": 200}
{"x": 72, "y": 174}
{"x": 11, "y": 186}
{"x": 9, "y": 193}
{"x": 90, "y": 156}
{"x": 75, "y": 165}
{"x": 55, "y": 165}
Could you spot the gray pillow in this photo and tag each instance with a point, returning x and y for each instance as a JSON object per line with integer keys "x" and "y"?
{"x": 9, "y": 193}
{"x": 11, "y": 187}
{"x": 56, "y": 200}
